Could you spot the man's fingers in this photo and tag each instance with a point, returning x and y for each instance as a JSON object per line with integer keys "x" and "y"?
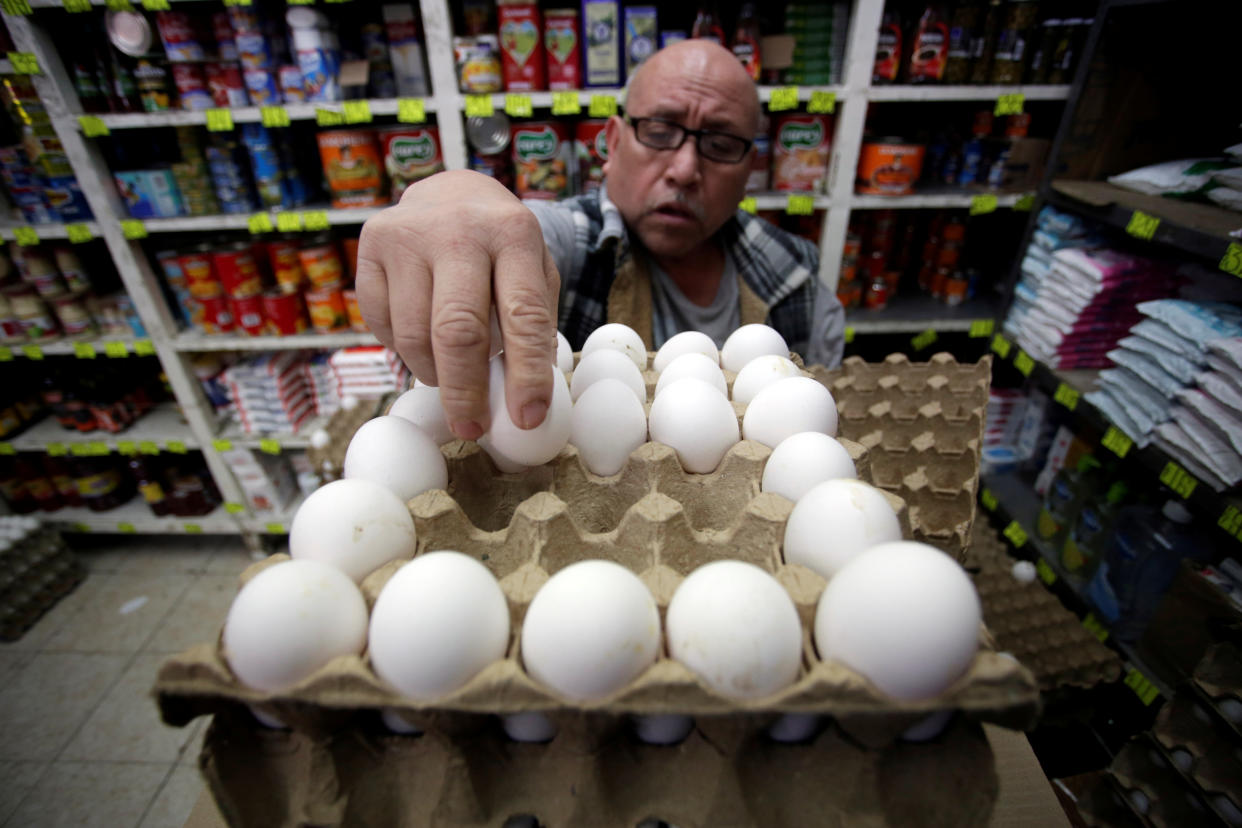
{"x": 394, "y": 295}
{"x": 528, "y": 321}
{"x": 460, "y": 334}
{"x": 372, "y": 291}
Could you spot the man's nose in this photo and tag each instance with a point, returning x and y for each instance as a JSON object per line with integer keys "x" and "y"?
{"x": 683, "y": 166}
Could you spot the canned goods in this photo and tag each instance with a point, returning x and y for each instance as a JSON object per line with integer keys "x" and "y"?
{"x": 490, "y": 135}
{"x": 955, "y": 289}
{"x": 351, "y": 167}
{"x": 282, "y": 254}
{"x": 264, "y": 164}
{"x": 32, "y": 315}
{"x": 283, "y": 313}
{"x": 73, "y": 316}
{"x": 591, "y": 149}
{"x": 70, "y": 268}
{"x": 800, "y": 149}
{"x": 224, "y": 82}
{"x": 191, "y": 86}
{"x": 541, "y": 152}
{"x": 410, "y": 154}
{"x": 889, "y": 167}
{"x": 200, "y": 273}
{"x": 247, "y": 314}
{"x": 217, "y": 317}
{"x": 327, "y": 310}
{"x": 497, "y": 166}
{"x": 321, "y": 263}
{"x": 177, "y": 34}
{"x": 521, "y": 46}
{"x": 564, "y": 58}
{"x": 356, "y": 322}
{"x": 237, "y": 271}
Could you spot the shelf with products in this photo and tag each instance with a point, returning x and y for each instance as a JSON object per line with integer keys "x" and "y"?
{"x": 194, "y": 342}
{"x": 82, "y": 347}
{"x": 359, "y": 111}
{"x": 919, "y": 312}
{"x": 136, "y": 517}
{"x": 299, "y": 219}
{"x": 273, "y": 522}
{"x": 25, "y": 233}
{"x": 984, "y": 92}
{"x": 231, "y": 436}
{"x": 160, "y": 429}
{"x": 978, "y": 202}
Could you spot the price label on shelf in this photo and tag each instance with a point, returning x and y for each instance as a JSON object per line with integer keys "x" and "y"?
{"x": 1142, "y": 226}
{"x": 1231, "y": 521}
{"x": 356, "y": 112}
{"x": 6, "y": 353}
{"x": 24, "y": 63}
{"x": 274, "y": 116}
{"x": 269, "y": 445}
{"x": 32, "y": 352}
{"x": 1093, "y": 626}
{"x": 289, "y": 222}
{"x": 78, "y": 233}
{"x": 988, "y": 499}
{"x": 143, "y": 347}
{"x": 822, "y": 103}
{"x": 126, "y": 447}
{"x": 1231, "y": 262}
{"x": 92, "y": 125}
{"x": 518, "y": 105}
{"x": 1010, "y": 103}
{"x": 193, "y": 529}
{"x": 219, "y": 120}
{"x": 411, "y": 110}
{"x": 924, "y": 339}
{"x": 57, "y": 449}
{"x": 982, "y": 328}
{"x": 602, "y": 106}
{"x": 222, "y": 445}
{"x": 749, "y": 204}
{"x": 148, "y": 447}
{"x": 800, "y": 205}
{"x": 1024, "y": 363}
{"x": 315, "y": 220}
{"x": 98, "y": 448}
{"x": 784, "y": 97}
{"x": 1117, "y": 441}
{"x": 1025, "y": 203}
{"x": 260, "y": 223}
{"x": 1142, "y": 686}
{"x": 479, "y": 106}
{"x": 329, "y": 118}
{"x": 25, "y": 236}
{"x": 126, "y": 527}
{"x": 155, "y": 5}
{"x": 565, "y": 103}
{"x": 175, "y": 446}
{"x": 849, "y": 335}
{"x": 1066, "y": 396}
{"x": 116, "y": 350}
{"x": 83, "y": 350}
{"x": 275, "y": 528}
{"x": 17, "y": 8}
{"x": 234, "y": 508}
{"x": 79, "y": 450}
{"x": 77, "y": 6}
{"x": 79, "y": 526}
{"x": 982, "y": 204}
{"x": 7, "y": 450}
{"x": 1015, "y": 534}
{"x": 1045, "y": 572}
{"x": 133, "y": 229}
{"x": 1178, "y": 479}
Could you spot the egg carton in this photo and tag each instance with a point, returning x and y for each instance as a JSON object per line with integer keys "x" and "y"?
{"x": 1030, "y": 622}
{"x": 341, "y": 427}
{"x": 1219, "y": 676}
{"x": 1155, "y": 788}
{"x": 1209, "y": 755}
{"x": 35, "y": 590}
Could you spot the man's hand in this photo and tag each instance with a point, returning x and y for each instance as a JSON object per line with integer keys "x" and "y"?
{"x": 429, "y": 270}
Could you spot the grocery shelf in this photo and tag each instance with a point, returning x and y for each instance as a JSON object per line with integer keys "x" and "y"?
{"x": 918, "y": 312}
{"x": 99, "y": 346}
{"x": 931, "y": 92}
{"x": 45, "y": 231}
{"x": 934, "y": 199}
{"x": 245, "y": 114}
{"x": 273, "y": 523}
{"x": 161, "y": 425}
{"x": 192, "y": 341}
{"x": 804, "y": 92}
{"x": 136, "y": 516}
{"x": 1199, "y": 229}
{"x": 6, "y": 67}
{"x": 780, "y": 201}
{"x": 233, "y": 434}
{"x": 241, "y": 221}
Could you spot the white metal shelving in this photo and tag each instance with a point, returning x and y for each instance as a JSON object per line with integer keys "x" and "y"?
{"x": 241, "y": 221}
{"x": 933, "y": 92}
{"x": 135, "y": 516}
{"x": 44, "y": 231}
{"x": 162, "y": 425}
{"x": 285, "y": 439}
{"x": 243, "y": 114}
{"x": 933, "y": 199}
{"x": 191, "y": 342}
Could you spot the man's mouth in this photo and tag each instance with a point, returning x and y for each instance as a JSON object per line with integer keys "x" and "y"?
{"x": 675, "y": 211}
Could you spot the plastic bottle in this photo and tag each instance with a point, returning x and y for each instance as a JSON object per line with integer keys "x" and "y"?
{"x": 707, "y": 25}
{"x": 930, "y": 49}
{"x": 1088, "y": 539}
{"x": 1063, "y": 500}
{"x": 1147, "y": 549}
{"x": 746, "y": 40}
{"x": 888, "y": 49}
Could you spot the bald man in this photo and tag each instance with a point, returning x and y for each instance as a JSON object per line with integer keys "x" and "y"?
{"x": 661, "y": 247}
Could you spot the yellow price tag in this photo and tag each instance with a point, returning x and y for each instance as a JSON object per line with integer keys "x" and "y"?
{"x": 316, "y": 220}
{"x": 175, "y": 446}
{"x": 32, "y": 352}
{"x": 982, "y": 204}
{"x": 981, "y": 328}
{"x": 222, "y": 445}
{"x": 6, "y": 353}
{"x": 25, "y": 236}
{"x": 1066, "y": 396}
{"x": 602, "y": 106}
{"x": 1093, "y": 626}
{"x": 328, "y": 118}
{"x": 800, "y": 205}
{"x": 126, "y": 447}
{"x": 24, "y": 63}
{"x": 479, "y": 106}
{"x": 1000, "y": 346}
{"x": 116, "y": 349}
{"x": 1178, "y": 479}
{"x": 784, "y": 97}
{"x": 79, "y": 450}
{"x": 289, "y": 222}
{"x": 155, "y": 5}
{"x": 193, "y": 529}
{"x": 821, "y": 102}
{"x": 148, "y": 447}
{"x": 356, "y": 112}
{"x": 260, "y": 223}
{"x": 92, "y": 125}
{"x": 81, "y": 527}
{"x": 234, "y": 508}
{"x": 15, "y": 7}
{"x": 849, "y": 335}
{"x": 988, "y": 500}
{"x": 565, "y": 103}
{"x": 924, "y": 339}
{"x": 748, "y": 204}
{"x": 57, "y": 449}
{"x": 1016, "y": 535}
{"x": 518, "y": 106}
{"x": 275, "y": 528}
{"x": 83, "y": 350}
{"x": 143, "y": 347}
{"x": 1142, "y": 687}
{"x": 269, "y": 445}
{"x": 78, "y": 233}
{"x": 1010, "y": 104}
{"x": 1024, "y": 363}
{"x": 7, "y": 449}
{"x": 219, "y": 120}
{"x": 98, "y": 448}
{"x": 77, "y": 6}
{"x": 1045, "y": 572}
{"x": 127, "y": 528}
{"x": 411, "y": 110}
{"x": 1142, "y": 226}
{"x": 1231, "y": 520}
{"x": 1231, "y": 262}
{"x": 274, "y": 116}
{"x": 133, "y": 229}
{"x": 1025, "y": 202}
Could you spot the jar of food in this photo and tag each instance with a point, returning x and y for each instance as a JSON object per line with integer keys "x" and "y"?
{"x": 1013, "y": 41}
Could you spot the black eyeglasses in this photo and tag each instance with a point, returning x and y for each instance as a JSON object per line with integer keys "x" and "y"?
{"x": 660, "y": 134}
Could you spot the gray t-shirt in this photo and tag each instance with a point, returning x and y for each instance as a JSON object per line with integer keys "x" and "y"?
{"x": 675, "y": 313}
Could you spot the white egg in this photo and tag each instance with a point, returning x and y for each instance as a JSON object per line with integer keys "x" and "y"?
{"x": 696, "y": 366}
{"x": 320, "y": 439}
{"x": 397, "y": 454}
{"x": 530, "y": 726}
{"x": 564, "y": 354}
{"x": 1024, "y": 572}
{"x": 617, "y": 337}
{"x": 590, "y": 630}
{"x": 759, "y": 373}
{"x": 438, "y": 621}
{"x": 695, "y": 420}
{"x": 606, "y": 425}
{"x": 290, "y": 620}
{"x": 748, "y": 342}
{"x": 355, "y": 525}
{"x": 349, "y": 402}
{"x": 607, "y": 364}
{"x": 792, "y": 728}
{"x": 802, "y": 460}
{"x": 904, "y": 615}
{"x": 663, "y": 728}
{"x": 686, "y": 342}
{"x": 835, "y": 522}
{"x": 529, "y": 447}
{"x": 421, "y": 405}
{"x": 736, "y": 628}
{"x": 787, "y": 407}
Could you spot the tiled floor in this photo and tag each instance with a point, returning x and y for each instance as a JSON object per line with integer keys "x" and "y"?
{"x": 81, "y": 741}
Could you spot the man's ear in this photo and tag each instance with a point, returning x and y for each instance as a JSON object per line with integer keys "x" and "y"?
{"x": 612, "y": 136}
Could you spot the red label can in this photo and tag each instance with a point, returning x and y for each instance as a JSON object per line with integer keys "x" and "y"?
{"x": 354, "y": 313}
{"x": 560, "y": 37}
{"x": 200, "y": 274}
{"x": 591, "y": 148}
{"x": 224, "y": 82}
{"x": 237, "y": 271}
{"x": 327, "y": 310}
{"x": 521, "y": 46}
{"x": 170, "y": 263}
{"x": 541, "y": 153}
{"x": 283, "y": 313}
{"x": 286, "y": 266}
{"x": 248, "y": 314}
{"x": 322, "y": 265}
{"x": 217, "y": 316}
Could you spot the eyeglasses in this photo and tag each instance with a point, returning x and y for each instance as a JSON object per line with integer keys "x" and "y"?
{"x": 660, "y": 134}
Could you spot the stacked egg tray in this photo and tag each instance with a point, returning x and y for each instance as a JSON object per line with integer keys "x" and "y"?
{"x": 1032, "y": 624}
{"x": 34, "y": 576}
{"x": 1208, "y": 754}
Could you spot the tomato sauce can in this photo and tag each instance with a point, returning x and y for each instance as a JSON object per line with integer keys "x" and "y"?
{"x": 800, "y": 150}
{"x": 247, "y": 314}
{"x": 282, "y": 254}
{"x": 521, "y": 46}
{"x": 410, "y": 154}
{"x": 356, "y": 322}
{"x": 591, "y": 149}
{"x": 541, "y": 153}
{"x": 889, "y": 167}
{"x": 564, "y": 55}
{"x": 217, "y": 316}
{"x": 200, "y": 273}
{"x": 322, "y": 264}
{"x": 170, "y": 264}
{"x": 352, "y": 168}
{"x": 238, "y": 271}
{"x": 284, "y": 314}
{"x": 327, "y": 310}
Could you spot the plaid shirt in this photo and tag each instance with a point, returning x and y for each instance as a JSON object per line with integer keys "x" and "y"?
{"x": 779, "y": 267}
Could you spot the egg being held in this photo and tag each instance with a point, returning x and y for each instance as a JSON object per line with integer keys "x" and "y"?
{"x": 607, "y": 364}
{"x": 835, "y": 522}
{"x": 759, "y": 373}
{"x": 905, "y": 616}
{"x": 355, "y": 525}
{"x": 606, "y": 425}
{"x": 696, "y": 421}
{"x": 290, "y": 620}
{"x": 438, "y": 621}
{"x": 802, "y": 460}
{"x": 617, "y": 337}
{"x": 421, "y": 405}
{"x": 686, "y": 342}
{"x": 787, "y": 407}
{"x": 590, "y": 630}
{"x": 528, "y": 447}
{"x": 564, "y": 354}
{"x": 748, "y": 342}
{"x": 693, "y": 365}
{"x": 398, "y": 455}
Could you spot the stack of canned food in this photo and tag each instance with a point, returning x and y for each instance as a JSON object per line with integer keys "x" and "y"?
{"x": 45, "y": 294}
{"x": 279, "y": 287}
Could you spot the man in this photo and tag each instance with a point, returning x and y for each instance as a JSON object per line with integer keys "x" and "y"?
{"x": 662, "y": 248}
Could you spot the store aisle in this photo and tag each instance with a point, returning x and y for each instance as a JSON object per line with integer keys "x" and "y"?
{"x": 82, "y": 741}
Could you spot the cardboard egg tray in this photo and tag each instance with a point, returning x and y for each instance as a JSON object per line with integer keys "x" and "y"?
{"x": 37, "y": 583}
{"x": 1170, "y": 802}
{"x": 1185, "y": 727}
{"x": 341, "y": 427}
{"x": 1219, "y": 676}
